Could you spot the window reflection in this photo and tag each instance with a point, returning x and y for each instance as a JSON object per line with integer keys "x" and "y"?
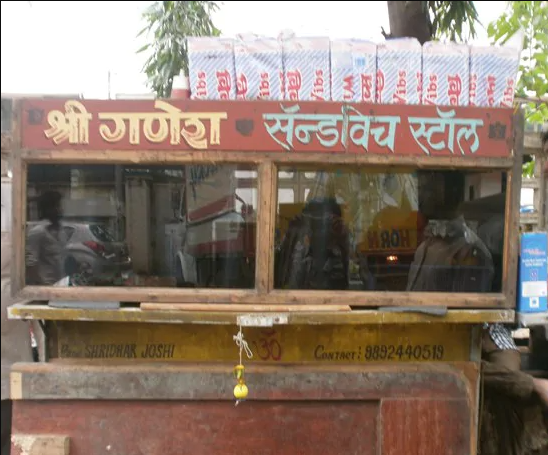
{"x": 177, "y": 226}
{"x": 391, "y": 231}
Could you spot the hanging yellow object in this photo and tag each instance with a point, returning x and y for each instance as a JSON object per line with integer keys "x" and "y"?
{"x": 240, "y": 391}
{"x": 239, "y": 372}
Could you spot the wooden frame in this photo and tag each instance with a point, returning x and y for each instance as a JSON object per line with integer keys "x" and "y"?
{"x": 245, "y": 144}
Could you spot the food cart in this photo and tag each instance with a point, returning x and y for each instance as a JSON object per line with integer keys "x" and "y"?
{"x": 333, "y": 362}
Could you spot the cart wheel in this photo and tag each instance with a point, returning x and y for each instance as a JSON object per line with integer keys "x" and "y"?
{"x": 71, "y": 266}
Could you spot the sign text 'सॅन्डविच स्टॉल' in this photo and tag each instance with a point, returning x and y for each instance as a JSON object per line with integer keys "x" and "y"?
{"x": 353, "y": 126}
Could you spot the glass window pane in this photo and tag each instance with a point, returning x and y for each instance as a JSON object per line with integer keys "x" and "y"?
{"x": 285, "y": 175}
{"x": 176, "y": 226}
{"x": 361, "y": 229}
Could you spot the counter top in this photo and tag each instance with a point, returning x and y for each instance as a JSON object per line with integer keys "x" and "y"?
{"x": 392, "y": 315}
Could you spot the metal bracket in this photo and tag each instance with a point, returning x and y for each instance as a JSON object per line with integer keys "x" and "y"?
{"x": 262, "y": 320}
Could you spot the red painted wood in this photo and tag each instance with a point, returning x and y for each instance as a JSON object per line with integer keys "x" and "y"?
{"x": 424, "y": 427}
{"x": 246, "y": 123}
{"x": 333, "y": 410}
{"x": 208, "y": 428}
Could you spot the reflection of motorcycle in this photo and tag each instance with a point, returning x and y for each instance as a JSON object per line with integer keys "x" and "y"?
{"x": 82, "y": 274}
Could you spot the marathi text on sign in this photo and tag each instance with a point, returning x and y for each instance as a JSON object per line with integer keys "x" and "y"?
{"x": 351, "y": 125}
{"x": 72, "y": 126}
{"x": 267, "y": 127}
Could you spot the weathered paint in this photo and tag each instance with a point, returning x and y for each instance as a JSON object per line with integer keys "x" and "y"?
{"x": 35, "y": 444}
{"x": 84, "y": 379}
{"x": 411, "y": 409}
{"x": 356, "y": 317}
{"x": 427, "y": 427}
{"x": 266, "y": 126}
{"x": 279, "y": 344}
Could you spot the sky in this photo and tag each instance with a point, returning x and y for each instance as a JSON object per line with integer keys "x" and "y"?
{"x": 55, "y": 47}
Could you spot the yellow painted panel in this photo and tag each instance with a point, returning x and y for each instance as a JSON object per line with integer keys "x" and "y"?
{"x": 329, "y": 343}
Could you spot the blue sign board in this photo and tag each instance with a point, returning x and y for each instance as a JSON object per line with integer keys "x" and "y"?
{"x": 533, "y": 273}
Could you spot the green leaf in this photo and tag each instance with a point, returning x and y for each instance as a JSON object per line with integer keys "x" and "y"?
{"x": 450, "y": 19}
{"x": 170, "y": 23}
{"x": 532, "y": 18}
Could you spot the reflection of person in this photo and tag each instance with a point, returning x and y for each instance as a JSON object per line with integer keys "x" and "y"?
{"x": 451, "y": 258}
{"x": 45, "y": 247}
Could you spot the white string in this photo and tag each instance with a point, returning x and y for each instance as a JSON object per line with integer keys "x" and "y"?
{"x": 242, "y": 344}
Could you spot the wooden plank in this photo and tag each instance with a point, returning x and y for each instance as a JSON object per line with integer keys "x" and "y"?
{"x": 6, "y": 143}
{"x": 19, "y": 205}
{"x": 532, "y": 141}
{"x": 83, "y": 380}
{"x": 343, "y": 344}
{"x": 265, "y": 126}
{"x": 281, "y": 297}
{"x": 355, "y": 317}
{"x": 266, "y": 218}
{"x": 165, "y": 157}
{"x": 235, "y": 307}
{"x": 529, "y": 218}
{"x": 380, "y": 298}
{"x": 439, "y": 427}
{"x": 303, "y": 395}
{"x": 512, "y": 215}
{"x": 210, "y": 428}
{"x": 6, "y": 118}
{"x": 39, "y": 444}
{"x": 532, "y": 183}
{"x": 542, "y": 191}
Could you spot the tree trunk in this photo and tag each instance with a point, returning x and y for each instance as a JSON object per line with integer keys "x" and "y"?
{"x": 409, "y": 19}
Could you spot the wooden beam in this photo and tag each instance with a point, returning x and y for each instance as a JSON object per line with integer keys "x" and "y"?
{"x": 72, "y": 156}
{"x": 512, "y": 215}
{"x": 266, "y": 219}
{"x": 284, "y": 297}
{"x": 356, "y": 317}
{"x": 234, "y": 307}
{"x": 35, "y": 444}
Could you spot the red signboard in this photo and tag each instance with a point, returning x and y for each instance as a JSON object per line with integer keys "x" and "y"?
{"x": 266, "y": 126}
